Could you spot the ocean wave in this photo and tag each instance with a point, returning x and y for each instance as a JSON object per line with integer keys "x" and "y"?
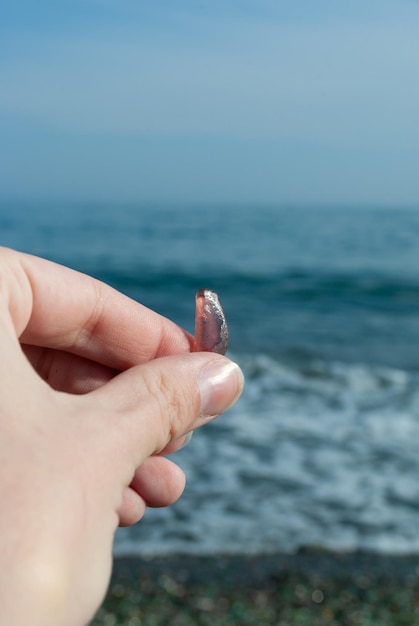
{"x": 324, "y": 454}
{"x": 274, "y": 282}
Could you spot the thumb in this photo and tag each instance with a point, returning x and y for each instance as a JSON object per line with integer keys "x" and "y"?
{"x": 157, "y": 402}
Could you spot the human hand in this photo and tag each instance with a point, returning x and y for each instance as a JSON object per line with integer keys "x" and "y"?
{"x": 86, "y": 411}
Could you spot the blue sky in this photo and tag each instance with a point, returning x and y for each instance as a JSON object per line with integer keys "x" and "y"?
{"x": 220, "y": 101}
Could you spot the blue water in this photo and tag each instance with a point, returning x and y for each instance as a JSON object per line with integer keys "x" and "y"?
{"x": 323, "y": 311}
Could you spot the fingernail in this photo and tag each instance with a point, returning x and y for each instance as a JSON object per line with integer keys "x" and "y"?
{"x": 220, "y": 383}
{"x": 186, "y": 440}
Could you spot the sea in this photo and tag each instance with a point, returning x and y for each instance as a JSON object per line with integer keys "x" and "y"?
{"x": 322, "y": 449}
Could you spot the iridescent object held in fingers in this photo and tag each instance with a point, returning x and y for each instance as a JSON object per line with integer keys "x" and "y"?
{"x": 211, "y": 331}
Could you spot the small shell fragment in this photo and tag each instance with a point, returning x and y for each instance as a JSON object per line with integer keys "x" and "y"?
{"x": 211, "y": 332}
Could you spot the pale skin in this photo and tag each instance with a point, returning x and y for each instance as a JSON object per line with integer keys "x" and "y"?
{"x": 94, "y": 390}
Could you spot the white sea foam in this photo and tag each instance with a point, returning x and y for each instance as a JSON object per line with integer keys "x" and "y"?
{"x": 318, "y": 454}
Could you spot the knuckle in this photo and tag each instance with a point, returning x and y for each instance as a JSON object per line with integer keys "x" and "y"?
{"x": 172, "y": 401}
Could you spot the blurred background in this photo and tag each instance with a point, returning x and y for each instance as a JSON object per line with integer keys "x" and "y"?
{"x": 267, "y": 150}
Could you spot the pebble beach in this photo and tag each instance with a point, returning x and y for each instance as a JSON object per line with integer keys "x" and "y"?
{"x": 310, "y": 588}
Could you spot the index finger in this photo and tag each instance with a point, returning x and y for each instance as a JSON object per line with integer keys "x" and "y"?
{"x": 55, "y": 307}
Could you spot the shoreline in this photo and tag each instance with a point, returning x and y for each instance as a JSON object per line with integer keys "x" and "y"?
{"x": 312, "y": 587}
{"x": 252, "y": 569}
